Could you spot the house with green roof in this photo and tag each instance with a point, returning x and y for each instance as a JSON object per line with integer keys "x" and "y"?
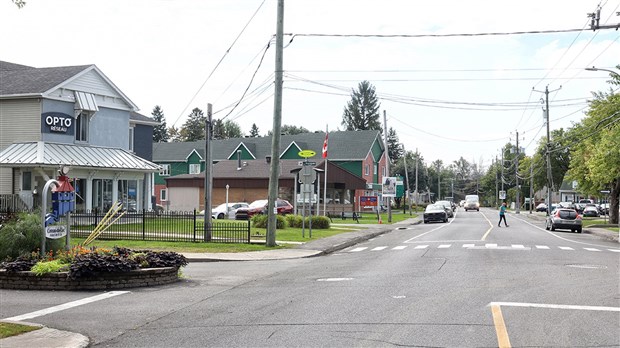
{"x": 355, "y": 161}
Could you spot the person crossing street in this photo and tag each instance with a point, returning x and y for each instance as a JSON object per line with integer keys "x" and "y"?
{"x": 502, "y": 215}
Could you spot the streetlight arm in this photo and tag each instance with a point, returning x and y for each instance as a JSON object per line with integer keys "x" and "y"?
{"x": 601, "y": 69}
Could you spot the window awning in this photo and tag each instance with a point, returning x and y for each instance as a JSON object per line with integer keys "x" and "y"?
{"x": 85, "y": 101}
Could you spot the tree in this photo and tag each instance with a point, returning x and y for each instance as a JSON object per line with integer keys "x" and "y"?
{"x": 226, "y": 129}
{"x": 395, "y": 150}
{"x": 362, "y": 111}
{"x": 595, "y": 159}
{"x": 175, "y": 134}
{"x": 194, "y": 128}
{"x": 411, "y": 158}
{"x": 160, "y": 132}
{"x": 291, "y": 130}
{"x": 254, "y": 131}
{"x": 19, "y": 3}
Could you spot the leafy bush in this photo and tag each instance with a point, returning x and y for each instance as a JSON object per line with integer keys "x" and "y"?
{"x": 319, "y": 222}
{"x": 165, "y": 259}
{"x": 294, "y": 220}
{"x": 89, "y": 265}
{"x": 44, "y": 267}
{"x": 19, "y": 265}
{"x": 23, "y": 235}
{"x": 260, "y": 221}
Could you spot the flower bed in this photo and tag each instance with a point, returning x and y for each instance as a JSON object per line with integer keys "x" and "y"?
{"x": 91, "y": 268}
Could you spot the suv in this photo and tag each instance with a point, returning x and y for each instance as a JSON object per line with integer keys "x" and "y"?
{"x": 564, "y": 218}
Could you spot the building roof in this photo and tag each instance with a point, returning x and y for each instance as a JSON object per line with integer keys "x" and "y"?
{"x": 342, "y": 145}
{"x": 138, "y": 118}
{"x": 44, "y": 154}
{"x": 20, "y": 79}
{"x": 248, "y": 170}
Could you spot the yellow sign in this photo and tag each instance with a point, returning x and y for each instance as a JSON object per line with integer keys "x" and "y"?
{"x": 306, "y": 153}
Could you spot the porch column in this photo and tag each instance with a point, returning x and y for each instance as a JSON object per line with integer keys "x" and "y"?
{"x": 88, "y": 198}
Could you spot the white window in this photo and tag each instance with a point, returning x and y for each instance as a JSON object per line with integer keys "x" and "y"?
{"x": 375, "y": 169}
{"x": 131, "y": 139}
{"x": 165, "y": 170}
{"x": 384, "y": 171}
{"x": 82, "y": 123}
{"x": 194, "y": 168}
{"x": 26, "y": 181}
{"x": 367, "y": 169}
{"x": 163, "y": 195}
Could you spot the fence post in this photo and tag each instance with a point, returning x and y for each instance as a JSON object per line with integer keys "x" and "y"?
{"x": 248, "y": 230}
{"x": 194, "y": 240}
{"x": 143, "y": 224}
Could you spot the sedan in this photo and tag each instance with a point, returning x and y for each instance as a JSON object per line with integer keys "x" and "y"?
{"x": 565, "y": 219}
{"x": 260, "y": 207}
{"x": 219, "y": 212}
{"x": 541, "y": 207}
{"x": 448, "y": 206}
{"x": 435, "y": 212}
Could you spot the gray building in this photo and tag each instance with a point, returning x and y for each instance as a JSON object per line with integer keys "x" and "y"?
{"x": 72, "y": 116}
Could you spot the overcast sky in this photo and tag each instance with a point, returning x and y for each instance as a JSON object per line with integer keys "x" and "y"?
{"x": 446, "y": 96}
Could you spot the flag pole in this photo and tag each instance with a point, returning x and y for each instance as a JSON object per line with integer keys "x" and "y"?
{"x": 325, "y": 176}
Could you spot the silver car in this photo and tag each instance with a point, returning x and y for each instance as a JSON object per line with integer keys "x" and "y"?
{"x": 563, "y": 218}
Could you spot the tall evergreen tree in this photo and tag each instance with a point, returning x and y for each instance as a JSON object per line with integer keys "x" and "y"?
{"x": 160, "y": 132}
{"x": 254, "y": 131}
{"x": 362, "y": 111}
{"x": 395, "y": 150}
{"x": 194, "y": 128}
{"x": 175, "y": 134}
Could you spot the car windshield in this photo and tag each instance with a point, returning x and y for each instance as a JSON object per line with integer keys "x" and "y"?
{"x": 221, "y": 206}
{"x": 258, "y": 204}
{"x": 434, "y": 207}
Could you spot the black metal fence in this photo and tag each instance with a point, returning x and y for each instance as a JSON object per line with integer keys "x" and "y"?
{"x": 166, "y": 226}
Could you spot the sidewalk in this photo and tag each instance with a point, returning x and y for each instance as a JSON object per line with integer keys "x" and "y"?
{"x": 52, "y": 338}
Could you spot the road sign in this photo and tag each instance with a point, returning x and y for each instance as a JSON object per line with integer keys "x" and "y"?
{"x": 55, "y": 232}
{"x": 307, "y": 163}
{"x": 306, "y": 153}
{"x": 502, "y": 194}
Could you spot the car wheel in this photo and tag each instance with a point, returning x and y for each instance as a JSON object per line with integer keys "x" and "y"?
{"x": 547, "y": 225}
{"x": 446, "y": 220}
{"x": 220, "y": 215}
{"x": 425, "y": 221}
{"x": 552, "y": 227}
{"x": 477, "y": 209}
{"x": 579, "y": 230}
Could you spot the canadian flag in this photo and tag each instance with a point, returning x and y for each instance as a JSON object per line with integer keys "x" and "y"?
{"x": 325, "y": 146}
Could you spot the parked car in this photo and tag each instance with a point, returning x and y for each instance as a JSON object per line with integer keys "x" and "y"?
{"x": 219, "y": 212}
{"x": 590, "y": 210}
{"x": 260, "y": 207}
{"x": 448, "y": 206}
{"x": 541, "y": 207}
{"x": 435, "y": 212}
{"x": 605, "y": 208}
{"x": 565, "y": 219}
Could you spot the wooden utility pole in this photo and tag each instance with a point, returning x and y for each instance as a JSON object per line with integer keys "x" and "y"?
{"x": 274, "y": 174}
{"x": 387, "y": 162}
{"x": 208, "y": 174}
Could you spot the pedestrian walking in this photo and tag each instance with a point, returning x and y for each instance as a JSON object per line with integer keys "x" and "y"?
{"x": 502, "y": 215}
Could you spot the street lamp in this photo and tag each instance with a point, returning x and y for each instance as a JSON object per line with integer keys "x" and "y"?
{"x": 601, "y": 69}
{"x": 227, "y": 211}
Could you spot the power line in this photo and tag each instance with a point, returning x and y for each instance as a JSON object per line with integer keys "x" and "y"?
{"x": 410, "y": 36}
{"x": 218, "y": 63}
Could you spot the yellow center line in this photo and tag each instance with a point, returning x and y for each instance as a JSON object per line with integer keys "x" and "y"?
{"x": 500, "y": 327}
{"x": 489, "y": 230}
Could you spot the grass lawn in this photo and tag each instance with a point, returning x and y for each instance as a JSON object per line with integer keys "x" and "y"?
{"x": 10, "y": 329}
{"x": 370, "y": 218}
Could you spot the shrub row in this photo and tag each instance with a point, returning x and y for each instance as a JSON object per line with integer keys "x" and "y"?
{"x": 294, "y": 221}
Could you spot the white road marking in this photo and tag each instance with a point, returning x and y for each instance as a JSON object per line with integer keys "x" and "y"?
{"x": 421, "y": 246}
{"x": 67, "y": 305}
{"x": 434, "y": 229}
{"x": 358, "y": 249}
{"x": 566, "y": 248}
{"x": 591, "y": 249}
{"x": 400, "y": 247}
{"x": 490, "y": 245}
{"x": 542, "y": 247}
{"x": 518, "y": 246}
{"x": 469, "y": 245}
{"x": 556, "y": 306}
{"x": 333, "y": 279}
{"x": 444, "y": 246}
{"x": 614, "y": 250}
{"x": 378, "y": 248}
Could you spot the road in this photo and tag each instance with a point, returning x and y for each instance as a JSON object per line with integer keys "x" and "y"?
{"x": 466, "y": 283}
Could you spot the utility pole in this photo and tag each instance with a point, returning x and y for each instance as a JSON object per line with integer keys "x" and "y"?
{"x": 502, "y": 169}
{"x": 596, "y": 19}
{"x": 438, "y": 182}
{"x": 548, "y": 147}
{"x": 496, "y": 184}
{"x": 387, "y": 161}
{"x": 208, "y": 174}
{"x": 531, "y": 183}
{"x": 277, "y": 121}
{"x": 417, "y": 160}
{"x": 406, "y": 177}
{"x": 517, "y": 211}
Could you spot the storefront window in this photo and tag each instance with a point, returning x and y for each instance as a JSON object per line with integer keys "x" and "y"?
{"x": 81, "y": 126}
{"x": 26, "y": 181}
{"x": 102, "y": 194}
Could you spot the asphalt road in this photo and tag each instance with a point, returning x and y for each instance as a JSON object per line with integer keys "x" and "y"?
{"x": 467, "y": 283}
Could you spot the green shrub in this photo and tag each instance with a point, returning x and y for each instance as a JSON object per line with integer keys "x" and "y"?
{"x": 23, "y": 235}
{"x": 319, "y": 222}
{"x": 260, "y": 221}
{"x": 294, "y": 220}
{"x": 45, "y": 267}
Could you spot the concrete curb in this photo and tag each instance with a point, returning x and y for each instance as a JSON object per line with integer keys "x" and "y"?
{"x": 44, "y": 337}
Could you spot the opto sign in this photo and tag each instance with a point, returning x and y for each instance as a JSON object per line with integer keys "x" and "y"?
{"x": 56, "y": 122}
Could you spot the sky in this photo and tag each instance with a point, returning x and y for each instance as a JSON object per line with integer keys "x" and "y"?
{"x": 448, "y": 97}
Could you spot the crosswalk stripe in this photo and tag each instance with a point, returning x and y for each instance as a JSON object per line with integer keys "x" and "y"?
{"x": 358, "y": 249}
{"x": 469, "y": 245}
{"x": 444, "y": 246}
{"x": 542, "y": 247}
{"x": 614, "y": 250}
{"x": 378, "y": 248}
{"x": 566, "y": 248}
{"x": 421, "y": 246}
{"x": 591, "y": 249}
{"x": 400, "y": 247}
{"x": 518, "y": 246}
{"x": 490, "y": 245}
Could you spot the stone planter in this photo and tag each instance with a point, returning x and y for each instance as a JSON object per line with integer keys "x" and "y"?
{"x": 103, "y": 281}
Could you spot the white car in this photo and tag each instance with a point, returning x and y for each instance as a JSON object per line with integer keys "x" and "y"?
{"x": 219, "y": 212}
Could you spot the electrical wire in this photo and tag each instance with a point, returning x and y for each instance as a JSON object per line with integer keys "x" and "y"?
{"x": 218, "y": 63}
